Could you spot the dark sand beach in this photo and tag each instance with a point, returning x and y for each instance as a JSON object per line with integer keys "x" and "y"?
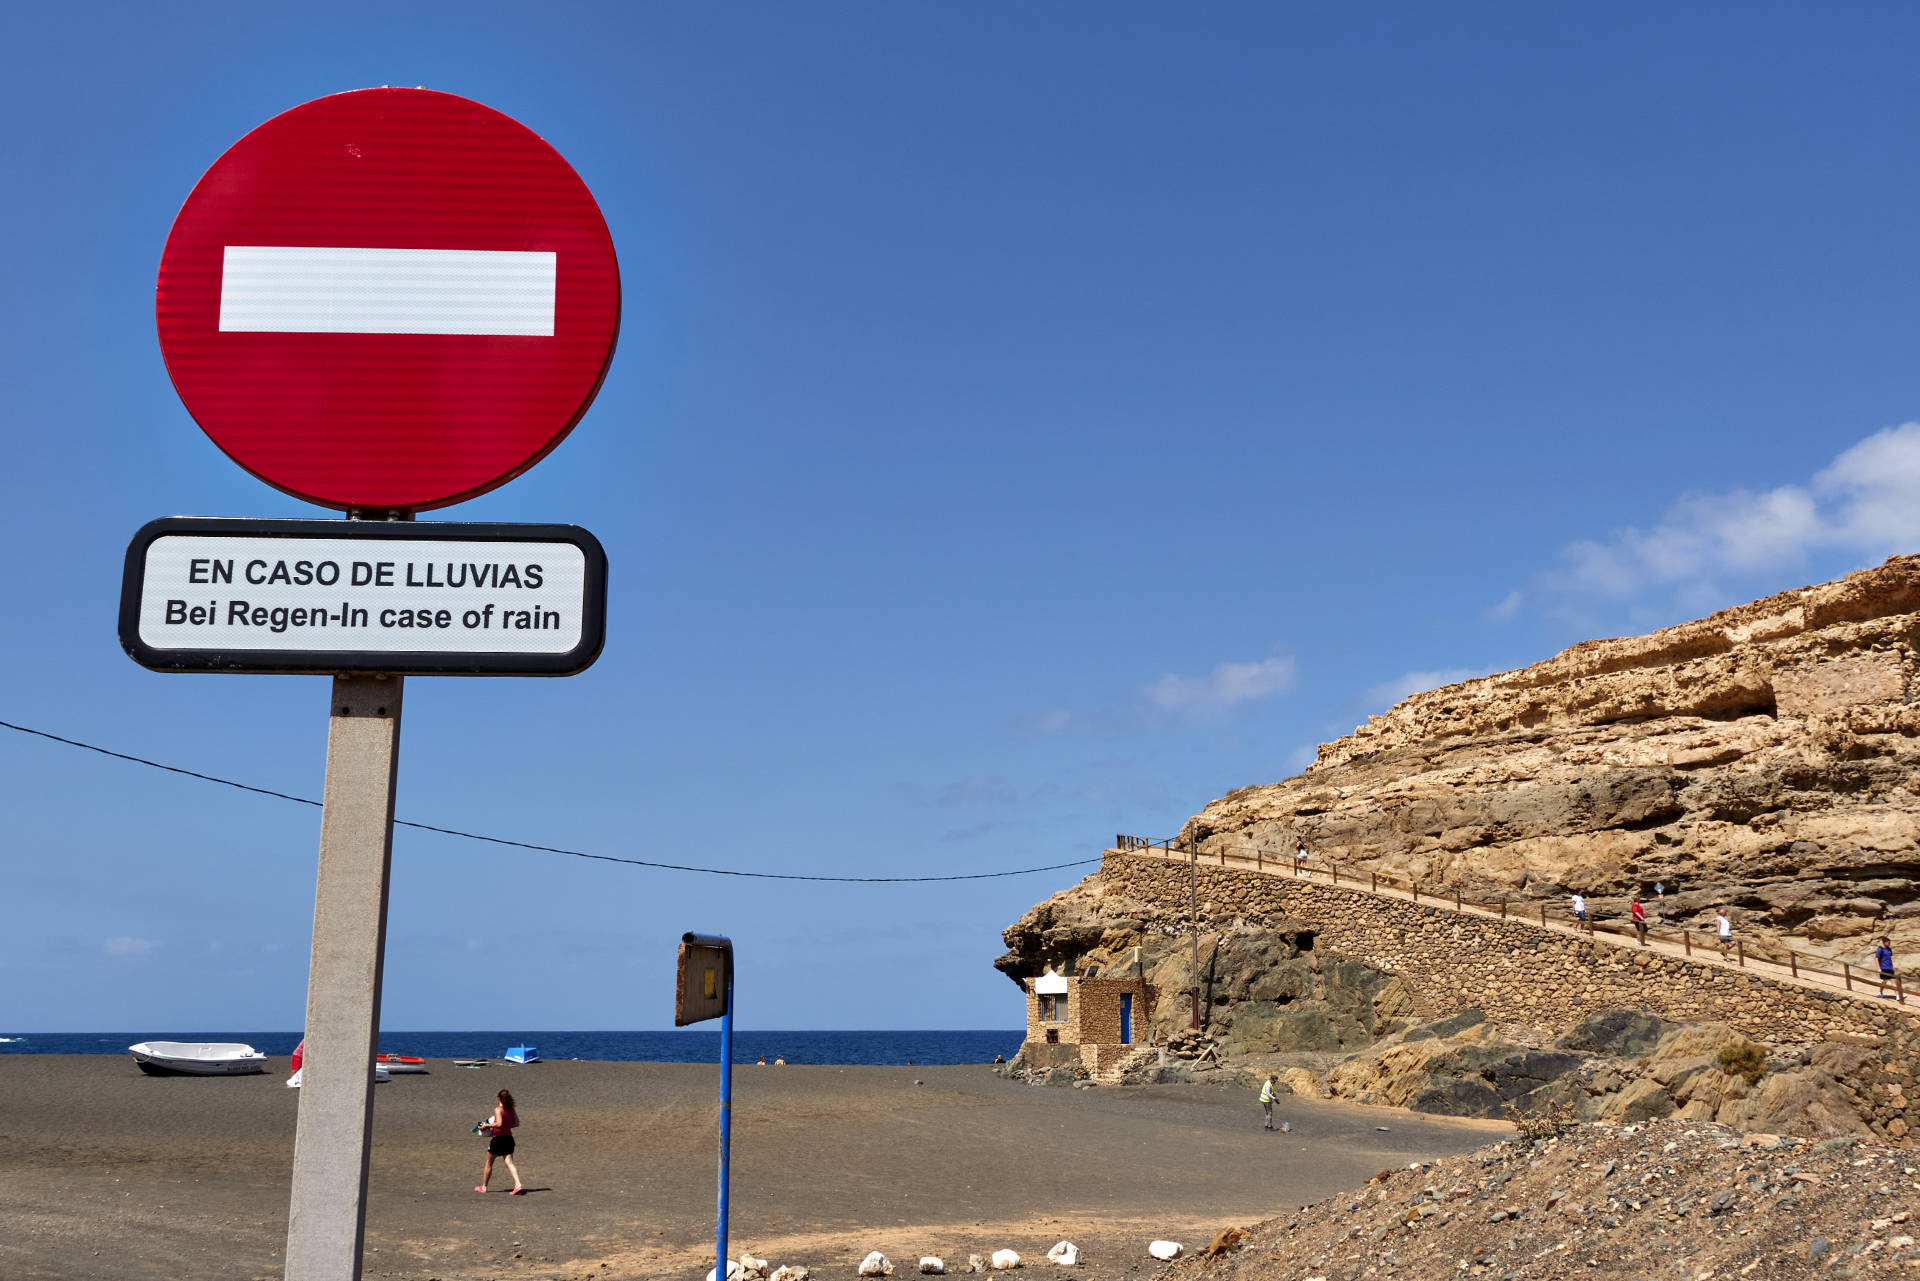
{"x": 108, "y": 1173}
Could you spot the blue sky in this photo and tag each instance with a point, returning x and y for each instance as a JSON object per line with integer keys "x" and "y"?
{"x": 1029, "y": 423}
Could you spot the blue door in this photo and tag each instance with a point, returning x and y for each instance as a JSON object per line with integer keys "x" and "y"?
{"x": 1126, "y": 1019}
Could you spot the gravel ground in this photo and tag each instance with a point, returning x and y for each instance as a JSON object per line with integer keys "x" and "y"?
{"x": 111, "y": 1174}
{"x": 1663, "y": 1199}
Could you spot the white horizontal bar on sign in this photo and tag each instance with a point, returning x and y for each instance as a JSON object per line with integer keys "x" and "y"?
{"x": 280, "y": 289}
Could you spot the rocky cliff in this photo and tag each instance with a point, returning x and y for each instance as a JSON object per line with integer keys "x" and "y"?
{"x": 1766, "y": 757}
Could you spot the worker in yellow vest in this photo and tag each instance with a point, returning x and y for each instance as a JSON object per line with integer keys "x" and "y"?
{"x": 1266, "y": 1097}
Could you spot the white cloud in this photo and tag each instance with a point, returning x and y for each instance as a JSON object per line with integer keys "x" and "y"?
{"x": 1226, "y": 685}
{"x": 1508, "y": 608}
{"x": 126, "y": 945}
{"x": 1877, "y": 486}
{"x": 1055, "y": 721}
{"x": 1387, "y": 693}
{"x": 1866, "y": 502}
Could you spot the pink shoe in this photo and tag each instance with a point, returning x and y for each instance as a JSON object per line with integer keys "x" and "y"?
{"x": 481, "y": 1188}
{"x": 518, "y": 1192}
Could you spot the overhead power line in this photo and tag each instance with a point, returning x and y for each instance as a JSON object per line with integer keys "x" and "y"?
{"x": 546, "y": 849}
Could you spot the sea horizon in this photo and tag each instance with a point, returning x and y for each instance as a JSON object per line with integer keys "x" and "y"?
{"x": 820, "y": 1047}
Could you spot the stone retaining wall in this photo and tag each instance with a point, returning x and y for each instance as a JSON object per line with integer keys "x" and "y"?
{"x": 1511, "y": 971}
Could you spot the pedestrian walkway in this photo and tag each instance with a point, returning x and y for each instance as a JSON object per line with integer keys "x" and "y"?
{"x": 1797, "y": 969}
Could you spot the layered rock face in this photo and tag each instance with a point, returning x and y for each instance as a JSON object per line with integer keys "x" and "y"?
{"x": 1766, "y": 758}
{"x": 1619, "y": 1065}
{"x": 1263, "y": 987}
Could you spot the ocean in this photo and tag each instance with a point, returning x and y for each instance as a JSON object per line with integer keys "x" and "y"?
{"x": 925, "y": 1049}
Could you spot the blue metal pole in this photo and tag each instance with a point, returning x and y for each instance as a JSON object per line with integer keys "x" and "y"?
{"x": 726, "y": 1126}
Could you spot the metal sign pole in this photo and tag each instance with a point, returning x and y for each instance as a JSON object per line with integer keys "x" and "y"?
{"x": 726, "y": 1126}
{"x": 703, "y": 989}
{"x": 327, "y": 1216}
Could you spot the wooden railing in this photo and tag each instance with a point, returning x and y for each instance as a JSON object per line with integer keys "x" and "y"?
{"x": 1762, "y": 954}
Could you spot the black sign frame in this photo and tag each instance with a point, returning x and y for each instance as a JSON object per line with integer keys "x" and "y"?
{"x": 282, "y": 662}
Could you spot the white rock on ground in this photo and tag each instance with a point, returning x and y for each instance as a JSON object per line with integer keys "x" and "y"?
{"x": 876, "y": 1265}
{"x": 1004, "y": 1259}
{"x": 931, "y": 1266}
{"x": 1066, "y": 1254}
{"x": 1165, "y": 1249}
{"x": 734, "y": 1272}
{"x": 787, "y": 1273}
{"x": 976, "y": 1264}
{"x": 752, "y": 1267}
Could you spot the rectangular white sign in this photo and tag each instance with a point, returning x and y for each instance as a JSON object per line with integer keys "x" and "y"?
{"x": 236, "y": 593}
{"x": 230, "y": 595}
{"x": 286, "y": 289}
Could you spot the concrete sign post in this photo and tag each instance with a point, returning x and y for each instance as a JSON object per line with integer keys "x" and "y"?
{"x": 326, "y": 1220}
{"x": 381, "y": 302}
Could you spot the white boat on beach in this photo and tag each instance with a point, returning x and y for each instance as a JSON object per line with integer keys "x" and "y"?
{"x": 197, "y": 1058}
{"x": 381, "y": 1074}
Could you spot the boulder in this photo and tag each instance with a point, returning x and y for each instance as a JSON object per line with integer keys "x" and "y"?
{"x": 1004, "y": 1260}
{"x": 1165, "y": 1250}
{"x": 1628, "y": 1034}
{"x": 1446, "y": 1027}
{"x": 1066, "y": 1254}
{"x": 932, "y": 1266}
{"x": 876, "y": 1265}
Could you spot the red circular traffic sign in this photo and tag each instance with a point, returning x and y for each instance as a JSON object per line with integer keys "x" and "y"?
{"x": 390, "y": 299}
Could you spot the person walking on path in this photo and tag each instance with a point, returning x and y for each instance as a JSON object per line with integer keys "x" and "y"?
{"x": 1725, "y": 926}
{"x": 1884, "y": 955}
{"x": 1579, "y": 908}
{"x": 500, "y": 1128}
{"x": 1659, "y": 890}
{"x": 1299, "y": 857}
{"x": 1639, "y": 915}
{"x": 1266, "y": 1098}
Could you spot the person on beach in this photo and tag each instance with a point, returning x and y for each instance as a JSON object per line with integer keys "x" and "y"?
{"x": 1579, "y": 909}
{"x": 1725, "y": 926}
{"x": 762, "y": 1062}
{"x": 1884, "y": 956}
{"x": 500, "y": 1128}
{"x": 1639, "y": 915}
{"x": 1266, "y": 1097}
{"x": 779, "y": 1060}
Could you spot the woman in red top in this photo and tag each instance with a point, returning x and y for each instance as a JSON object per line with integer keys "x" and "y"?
{"x": 501, "y": 1144}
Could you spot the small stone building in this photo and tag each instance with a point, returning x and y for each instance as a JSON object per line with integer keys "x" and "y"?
{"x": 1093, "y": 1021}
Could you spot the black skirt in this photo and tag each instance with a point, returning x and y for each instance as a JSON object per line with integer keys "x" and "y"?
{"x": 500, "y": 1145}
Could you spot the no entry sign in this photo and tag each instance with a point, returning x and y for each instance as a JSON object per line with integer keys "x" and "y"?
{"x": 388, "y": 300}
{"x": 383, "y": 302}
{"x": 328, "y": 596}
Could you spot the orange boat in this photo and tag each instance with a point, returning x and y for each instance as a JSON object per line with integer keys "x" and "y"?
{"x": 401, "y": 1062}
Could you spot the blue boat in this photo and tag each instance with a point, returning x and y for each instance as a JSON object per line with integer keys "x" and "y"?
{"x": 523, "y": 1054}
